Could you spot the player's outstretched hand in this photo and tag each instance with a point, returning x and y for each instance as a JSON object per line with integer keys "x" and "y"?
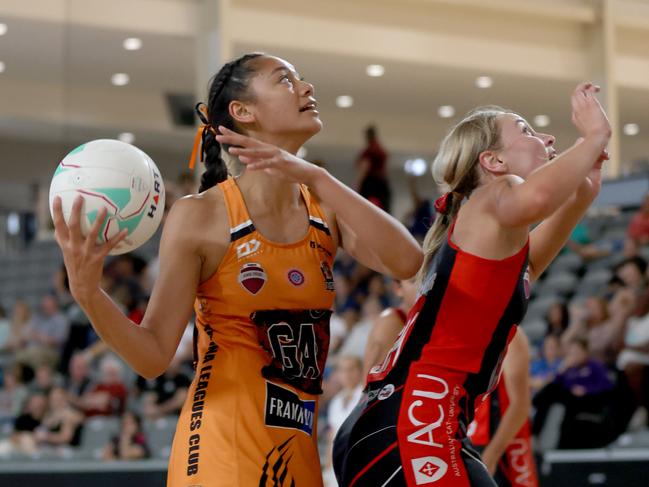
{"x": 587, "y": 114}
{"x": 83, "y": 257}
{"x": 257, "y": 155}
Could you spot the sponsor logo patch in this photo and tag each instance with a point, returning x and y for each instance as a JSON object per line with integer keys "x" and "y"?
{"x": 285, "y": 409}
{"x": 296, "y": 277}
{"x": 386, "y": 392}
{"x": 252, "y": 277}
{"x": 328, "y": 276}
{"x": 428, "y": 469}
{"x": 248, "y": 248}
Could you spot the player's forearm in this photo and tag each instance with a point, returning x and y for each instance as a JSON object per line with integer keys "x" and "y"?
{"x": 552, "y": 234}
{"x": 510, "y": 424}
{"x": 375, "y": 229}
{"x": 135, "y": 344}
{"x": 557, "y": 180}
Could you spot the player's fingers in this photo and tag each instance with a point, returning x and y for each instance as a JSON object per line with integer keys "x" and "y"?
{"x": 60, "y": 227}
{"x": 253, "y": 151}
{"x": 227, "y": 136}
{"x": 91, "y": 239}
{"x": 113, "y": 242}
{"x": 74, "y": 223}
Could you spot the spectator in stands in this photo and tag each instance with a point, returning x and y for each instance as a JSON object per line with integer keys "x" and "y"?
{"x": 544, "y": 369}
{"x": 376, "y": 288}
{"x": 5, "y": 333}
{"x": 581, "y": 244}
{"x": 12, "y": 395}
{"x": 80, "y": 336}
{"x": 77, "y": 382}
{"x": 20, "y": 325}
{"x": 638, "y": 229}
{"x": 420, "y": 218}
{"x": 356, "y": 341}
{"x": 125, "y": 272}
{"x": 61, "y": 288}
{"x": 583, "y": 386}
{"x": 348, "y": 374}
{"x": 165, "y": 394}
{"x": 634, "y": 361}
{"x": 602, "y": 325}
{"x": 62, "y": 424}
{"x": 45, "y": 379}
{"x": 46, "y": 335}
{"x": 108, "y": 397}
{"x": 631, "y": 271}
{"x": 372, "y": 171}
{"x": 557, "y": 318}
{"x": 23, "y": 437}
{"x": 131, "y": 444}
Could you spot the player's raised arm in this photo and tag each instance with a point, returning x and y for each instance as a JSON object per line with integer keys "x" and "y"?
{"x": 149, "y": 347}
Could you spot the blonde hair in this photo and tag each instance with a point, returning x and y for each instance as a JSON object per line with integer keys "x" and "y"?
{"x": 456, "y": 169}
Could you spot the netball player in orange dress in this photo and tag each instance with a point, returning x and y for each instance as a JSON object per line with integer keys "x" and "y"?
{"x": 252, "y": 256}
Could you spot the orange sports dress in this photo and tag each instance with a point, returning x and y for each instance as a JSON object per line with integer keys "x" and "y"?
{"x": 262, "y": 321}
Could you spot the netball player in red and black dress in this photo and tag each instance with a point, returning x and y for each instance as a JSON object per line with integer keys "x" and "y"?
{"x": 410, "y": 427}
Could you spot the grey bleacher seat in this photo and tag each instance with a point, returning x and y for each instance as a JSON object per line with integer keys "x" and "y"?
{"x": 97, "y": 432}
{"x": 535, "y": 329}
{"x": 635, "y": 439}
{"x": 557, "y": 283}
{"x": 597, "y": 275}
{"x": 548, "y": 438}
{"x": 568, "y": 261}
{"x": 159, "y": 434}
{"x": 539, "y": 306}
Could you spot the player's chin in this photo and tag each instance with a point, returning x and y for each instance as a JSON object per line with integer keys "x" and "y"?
{"x": 313, "y": 126}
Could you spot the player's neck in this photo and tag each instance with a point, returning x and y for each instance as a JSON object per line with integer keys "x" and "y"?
{"x": 262, "y": 190}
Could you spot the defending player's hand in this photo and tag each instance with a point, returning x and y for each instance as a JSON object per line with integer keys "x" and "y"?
{"x": 587, "y": 114}
{"x": 83, "y": 257}
{"x": 257, "y": 155}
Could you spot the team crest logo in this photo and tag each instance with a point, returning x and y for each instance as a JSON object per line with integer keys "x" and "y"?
{"x": 296, "y": 277}
{"x": 328, "y": 275}
{"x": 252, "y": 277}
{"x": 428, "y": 469}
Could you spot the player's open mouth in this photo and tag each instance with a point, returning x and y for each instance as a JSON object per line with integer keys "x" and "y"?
{"x": 309, "y": 106}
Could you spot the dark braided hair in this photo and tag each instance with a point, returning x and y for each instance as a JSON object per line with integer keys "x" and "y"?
{"x": 230, "y": 83}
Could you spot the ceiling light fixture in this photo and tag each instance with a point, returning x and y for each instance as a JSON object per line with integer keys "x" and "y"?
{"x": 344, "y": 101}
{"x": 3, "y": 29}
{"x": 120, "y": 79}
{"x": 446, "y": 111}
{"x": 127, "y": 137}
{"x": 2, "y": 67}
{"x": 415, "y": 167}
{"x": 132, "y": 44}
{"x": 484, "y": 81}
{"x": 541, "y": 120}
{"x": 375, "y": 70}
{"x": 631, "y": 129}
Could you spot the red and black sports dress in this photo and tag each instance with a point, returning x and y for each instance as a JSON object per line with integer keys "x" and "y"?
{"x": 410, "y": 427}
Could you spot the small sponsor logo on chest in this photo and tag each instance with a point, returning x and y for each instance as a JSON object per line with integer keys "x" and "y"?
{"x": 296, "y": 277}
